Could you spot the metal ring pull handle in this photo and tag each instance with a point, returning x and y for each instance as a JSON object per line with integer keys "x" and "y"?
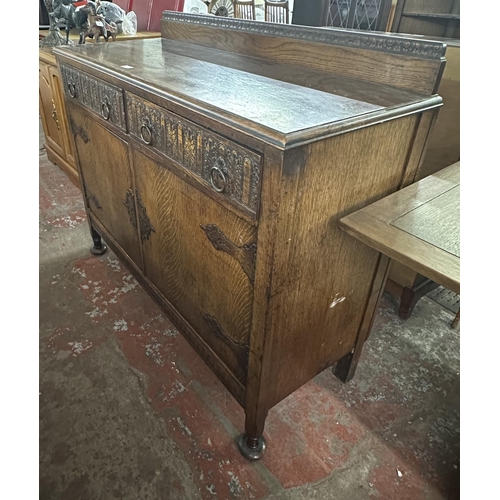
{"x": 71, "y": 88}
{"x": 218, "y": 176}
{"x": 146, "y": 132}
{"x": 105, "y": 109}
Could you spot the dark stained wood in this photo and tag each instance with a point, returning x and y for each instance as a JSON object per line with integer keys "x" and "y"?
{"x": 225, "y": 199}
{"x": 188, "y": 78}
{"x": 378, "y": 94}
{"x": 436, "y": 18}
{"x": 415, "y": 59}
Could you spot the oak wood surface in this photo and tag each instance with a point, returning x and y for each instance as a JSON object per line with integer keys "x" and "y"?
{"x": 234, "y": 386}
{"x": 105, "y": 166}
{"x": 444, "y": 141}
{"x": 272, "y": 296}
{"x": 443, "y": 146}
{"x": 371, "y": 92}
{"x": 206, "y": 285}
{"x": 436, "y": 199}
{"x": 229, "y": 90}
{"x": 58, "y": 144}
{"x": 436, "y": 222}
{"x": 407, "y": 74}
{"x": 315, "y": 311}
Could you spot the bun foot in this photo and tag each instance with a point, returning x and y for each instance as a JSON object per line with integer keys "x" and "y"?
{"x": 98, "y": 250}
{"x": 251, "y": 448}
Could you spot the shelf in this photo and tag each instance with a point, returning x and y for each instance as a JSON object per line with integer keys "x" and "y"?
{"x": 431, "y": 15}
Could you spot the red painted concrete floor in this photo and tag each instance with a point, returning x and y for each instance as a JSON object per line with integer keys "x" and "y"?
{"x": 128, "y": 410}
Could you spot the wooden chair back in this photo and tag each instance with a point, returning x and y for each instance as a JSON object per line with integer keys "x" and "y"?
{"x": 244, "y": 9}
{"x": 276, "y": 11}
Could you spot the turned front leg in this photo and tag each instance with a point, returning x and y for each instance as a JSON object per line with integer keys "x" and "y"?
{"x": 99, "y": 247}
{"x": 252, "y": 443}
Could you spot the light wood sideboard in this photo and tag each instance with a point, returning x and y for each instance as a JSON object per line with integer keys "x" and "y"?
{"x": 217, "y": 162}
{"x": 52, "y": 108}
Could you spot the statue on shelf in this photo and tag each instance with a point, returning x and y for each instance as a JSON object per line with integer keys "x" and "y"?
{"x": 54, "y": 37}
{"x": 97, "y": 25}
{"x": 68, "y": 11}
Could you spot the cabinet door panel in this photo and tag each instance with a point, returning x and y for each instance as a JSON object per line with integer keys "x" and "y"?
{"x": 61, "y": 116}
{"x": 201, "y": 257}
{"x": 48, "y": 110}
{"x": 107, "y": 180}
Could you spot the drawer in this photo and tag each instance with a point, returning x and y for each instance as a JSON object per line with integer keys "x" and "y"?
{"x": 227, "y": 167}
{"x": 102, "y": 98}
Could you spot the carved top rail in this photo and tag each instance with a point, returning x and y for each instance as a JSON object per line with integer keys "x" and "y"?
{"x": 355, "y": 39}
{"x": 410, "y": 64}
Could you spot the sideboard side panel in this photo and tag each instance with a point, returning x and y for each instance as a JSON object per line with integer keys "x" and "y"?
{"x": 321, "y": 278}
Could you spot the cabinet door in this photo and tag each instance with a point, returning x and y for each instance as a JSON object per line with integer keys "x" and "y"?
{"x": 106, "y": 180}
{"x": 60, "y": 113}
{"x": 201, "y": 257}
{"x": 48, "y": 111}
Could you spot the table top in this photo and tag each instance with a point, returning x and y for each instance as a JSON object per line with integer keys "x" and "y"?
{"x": 418, "y": 226}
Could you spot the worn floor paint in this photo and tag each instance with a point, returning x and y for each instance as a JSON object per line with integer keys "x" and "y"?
{"x": 128, "y": 410}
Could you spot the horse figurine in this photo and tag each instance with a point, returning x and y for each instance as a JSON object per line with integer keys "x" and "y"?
{"x": 97, "y": 24}
{"x": 71, "y": 12}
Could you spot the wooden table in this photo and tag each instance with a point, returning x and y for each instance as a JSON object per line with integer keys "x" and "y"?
{"x": 418, "y": 226}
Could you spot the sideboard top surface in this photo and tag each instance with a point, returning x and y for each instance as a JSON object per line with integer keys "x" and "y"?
{"x": 271, "y": 106}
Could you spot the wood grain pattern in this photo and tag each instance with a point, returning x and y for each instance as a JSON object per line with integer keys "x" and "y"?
{"x": 320, "y": 290}
{"x": 409, "y": 73}
{"x": 271, "y": 297}
{"x": 48, "y": 111}
{"x": 107, "y": 176}
{"x": 188, "y": 76}
{"x": 443, "y": 146}
{"x": 333, "y": 83}
{"x": 61, "y": 153}
{"x": 199, "y": 150}
{"x": 197, "y": 279}
{"x": 437, "y": 222}
{"x": 374, "y": 225}
{"x": 233, "y": 385}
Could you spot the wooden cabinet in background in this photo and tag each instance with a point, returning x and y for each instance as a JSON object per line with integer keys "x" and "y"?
{"x": 53, "y": 114}
{"x": 427, "y": 17}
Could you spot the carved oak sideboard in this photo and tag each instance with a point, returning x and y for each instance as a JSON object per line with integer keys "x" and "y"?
{"x": 217, "y": 161}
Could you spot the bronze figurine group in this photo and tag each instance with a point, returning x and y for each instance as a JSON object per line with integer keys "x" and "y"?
{"x": 81, "y": 14}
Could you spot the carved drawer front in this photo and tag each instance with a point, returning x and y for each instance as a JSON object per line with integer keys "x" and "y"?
{"x": 225, "y": 166}
{"x": 102, "y": 98}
